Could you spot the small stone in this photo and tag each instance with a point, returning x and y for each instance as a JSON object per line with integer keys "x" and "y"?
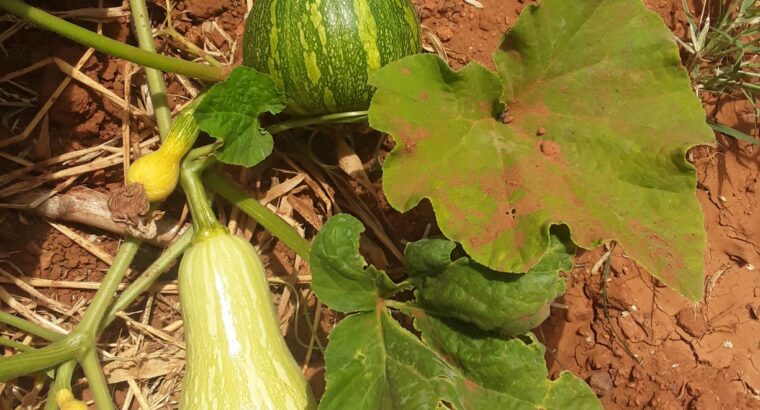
{"x": 540, "y": 131}
{"x": 690, "y": 322}
{"x": 631, "y": 330}
{"x": 600, "y": 382}
{"x": 445, "y": 34}
{"x": 56, "y": 259}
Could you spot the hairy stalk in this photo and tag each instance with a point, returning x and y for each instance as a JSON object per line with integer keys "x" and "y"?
{"x": 204, "y": 220}
{"x": 108, "y": 286}
{"x": 113, "y": 47}
{"x": 41, "y": 359}
{"x": 81, "y": 342}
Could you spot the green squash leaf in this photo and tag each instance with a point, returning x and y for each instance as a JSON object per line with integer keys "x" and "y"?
{"x": 511, "y": 303}
{"x": 509, "y": 372}
{"x": 230, "y": 112}
{"x": 374, "y": 363}
{"x": 600, "y": 115}
{"x": 340, "y": 276}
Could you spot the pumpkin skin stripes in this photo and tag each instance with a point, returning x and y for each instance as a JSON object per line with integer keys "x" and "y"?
{"x": 321, "y": 52}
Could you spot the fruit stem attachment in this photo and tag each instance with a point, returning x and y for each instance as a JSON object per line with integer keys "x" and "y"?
{"x": 204, "y": 221}
{"x": 113, "y": 47}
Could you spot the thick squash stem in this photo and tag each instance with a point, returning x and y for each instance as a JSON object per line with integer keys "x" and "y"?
{"x": 204, "y": 221}
{"x": 32, "y": 361}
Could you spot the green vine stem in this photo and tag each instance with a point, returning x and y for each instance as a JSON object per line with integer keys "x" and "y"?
{"x": 221, "y": 185}
{"x": 80, "y": 343}
{"x": 63, "y": 376}
{"x": 29, "y": 327}
{"x": 97, "y": 380}
{"x": 144, "y": 35}
{"x": 154, "y": 271}
{"x": 108, "y": 286}
{"x": 165, "y": 261}
{"x": 41, "y": 359}
{"x": 204, "y": 220}
{"x": 341, "y": 117}
{"x": 14, "y": 344}
{"x": 113, "y": 47}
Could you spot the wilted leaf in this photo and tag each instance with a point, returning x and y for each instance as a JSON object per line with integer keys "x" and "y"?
{"x": 512, "y": 303}
{"x": 509, "y": 373}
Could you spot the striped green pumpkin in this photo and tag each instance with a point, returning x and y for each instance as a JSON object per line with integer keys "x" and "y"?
{"x": 321, "y": 52}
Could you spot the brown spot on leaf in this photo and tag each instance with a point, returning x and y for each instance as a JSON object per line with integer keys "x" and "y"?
{"x": 409, "y": 135}
{"x": 550, "y": 149}
{"x": 471, "y": 385}
{"x": 424, "y": 96}
{"x": 485, "y": 106}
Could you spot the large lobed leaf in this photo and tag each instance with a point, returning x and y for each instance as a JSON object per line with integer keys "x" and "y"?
{"x": 372, "y": 362}
{"x": 600, "y": 115}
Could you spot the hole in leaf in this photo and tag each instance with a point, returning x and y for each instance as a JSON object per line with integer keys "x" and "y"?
{"x": 525, "y": 339}
{"x": 443, "y": 404}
